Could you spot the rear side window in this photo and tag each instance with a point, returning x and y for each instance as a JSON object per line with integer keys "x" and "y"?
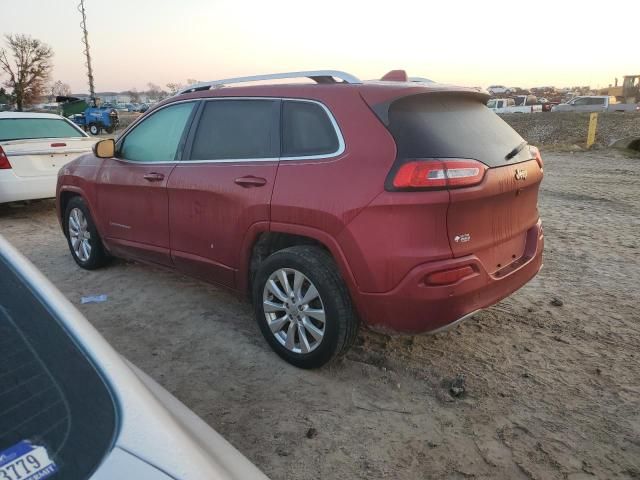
{"x": 33, "y": 128}
{"x": 50, "y": 394}
{"x": 157, "y": 138}
{"x": 237, "y": 129}
{"x": 307, "y": 130}
{"x": 444, "y": 126}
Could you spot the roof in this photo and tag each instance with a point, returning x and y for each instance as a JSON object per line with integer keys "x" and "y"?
{"x": 379, "y": 91}
{"x": 14, "y": 115}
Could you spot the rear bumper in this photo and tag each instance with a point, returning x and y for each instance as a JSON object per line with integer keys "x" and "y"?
{"x": 14, "y": 188}
{"x": 415, "y": 307}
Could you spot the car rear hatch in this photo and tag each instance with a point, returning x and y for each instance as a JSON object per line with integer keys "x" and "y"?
{"x": 38, "y": 157}
{"x": 453, "y": 141}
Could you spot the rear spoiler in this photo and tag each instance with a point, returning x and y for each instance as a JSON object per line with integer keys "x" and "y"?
{"x": 381, "y": 108}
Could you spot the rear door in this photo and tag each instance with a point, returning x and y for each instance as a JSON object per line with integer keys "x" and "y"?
{"x": 489, "y": 220}
{"x": 132, "y": 188}
{"x": 223, "y": 185}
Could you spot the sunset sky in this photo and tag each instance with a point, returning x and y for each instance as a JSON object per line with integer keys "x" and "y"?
{"x": 476, "y": 43}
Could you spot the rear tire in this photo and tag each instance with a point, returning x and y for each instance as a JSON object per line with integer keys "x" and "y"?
{"x": 82, "y": 236}
{"x": 292, "y": 282}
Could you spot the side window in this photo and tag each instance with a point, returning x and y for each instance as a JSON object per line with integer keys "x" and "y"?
{"x": 307, "y": 130}
{"x": 581, "y": 101}
{"x": 237, "y": 129}
{"x": 596, "y": 101}
{"x": 156, "y": 139}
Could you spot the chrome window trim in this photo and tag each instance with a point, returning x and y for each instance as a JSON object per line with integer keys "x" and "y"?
{"x": 341, "y": 143}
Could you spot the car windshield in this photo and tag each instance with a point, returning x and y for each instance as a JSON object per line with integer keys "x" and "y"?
{"x": 34, "y": 128}
{"x": 491, "y": 104}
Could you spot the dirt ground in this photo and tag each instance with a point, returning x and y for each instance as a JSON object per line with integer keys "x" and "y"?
{"x": 552, "y": 391}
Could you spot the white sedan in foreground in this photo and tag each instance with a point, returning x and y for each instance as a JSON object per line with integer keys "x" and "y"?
{"x": 71, "y": 408}
{"x": 33, "y": 147}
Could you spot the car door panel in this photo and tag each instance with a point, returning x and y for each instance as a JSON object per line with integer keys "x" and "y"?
{"x": 132, "y": 196}
{"x": 223, "y": 185}
{"x": 134, "y": 209}
{"x": 209, "y": 212}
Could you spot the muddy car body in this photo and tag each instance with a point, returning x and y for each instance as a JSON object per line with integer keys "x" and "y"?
{"x": 401, "y": 205}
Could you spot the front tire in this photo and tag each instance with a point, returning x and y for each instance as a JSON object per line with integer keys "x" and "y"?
{"x": 82, "y": 236}
{"x": 303, "y": 307}
{"x": 94, "y": 129}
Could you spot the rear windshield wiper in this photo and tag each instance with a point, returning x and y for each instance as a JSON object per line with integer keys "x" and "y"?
{"x": 515, "y": 151}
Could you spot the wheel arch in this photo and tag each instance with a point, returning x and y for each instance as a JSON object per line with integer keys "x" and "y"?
{"x": 64, "y": 197}
{"x": 261, "y": 242}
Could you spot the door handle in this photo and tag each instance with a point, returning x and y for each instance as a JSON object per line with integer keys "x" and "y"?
{"x": 154, "y": 177}
{"x": 251, "y": 181}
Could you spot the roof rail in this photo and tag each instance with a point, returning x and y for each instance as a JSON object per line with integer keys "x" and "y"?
{"x": 319, "y": 76}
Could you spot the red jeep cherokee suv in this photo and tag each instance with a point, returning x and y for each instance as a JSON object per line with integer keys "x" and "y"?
{"x": 407, "y": 206}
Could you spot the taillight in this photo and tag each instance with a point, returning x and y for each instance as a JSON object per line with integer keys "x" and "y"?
{"x": 4, "y": 161}
{"x": 441, "y": 173}
{"x": 535, "y": 153}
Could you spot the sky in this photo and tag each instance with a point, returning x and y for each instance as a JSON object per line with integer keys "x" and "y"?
{"x": 518, "y": 43}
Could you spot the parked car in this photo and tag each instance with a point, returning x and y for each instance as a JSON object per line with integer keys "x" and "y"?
{"x": 599, "y": 103}
{"x": 143, "y": 107}
{"x": 33, "y": 147}
{"x": 499, "y": 90}
{"x": 72, "y": 408}
{"x": 407, "y": 206}
{"x": 527, "y": 104}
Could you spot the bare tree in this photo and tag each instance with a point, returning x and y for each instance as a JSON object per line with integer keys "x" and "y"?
{"x": 134, "y": 95}
{"x": 154, "y": 92}
{"x": 174, "y": 88}
{"x": 28, "y": 65}
{"x": 59, "y": 89}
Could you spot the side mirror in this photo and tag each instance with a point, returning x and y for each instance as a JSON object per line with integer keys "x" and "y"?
{"x": 105, "y": 148}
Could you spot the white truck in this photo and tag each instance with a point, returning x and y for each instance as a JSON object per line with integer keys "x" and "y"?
{"x": 519, "y": 104}
{"x": 600, "y": 103}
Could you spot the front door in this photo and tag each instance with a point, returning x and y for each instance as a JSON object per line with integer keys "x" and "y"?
{"x": 223, "y": 185}
{"x": 132, "y": 188}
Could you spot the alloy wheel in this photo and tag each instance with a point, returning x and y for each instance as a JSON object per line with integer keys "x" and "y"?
{"x": 79, "y": 234}
{"x": 294, "y": 310}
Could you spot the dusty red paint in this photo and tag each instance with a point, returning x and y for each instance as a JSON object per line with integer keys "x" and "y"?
{"x": 200, "y": 220}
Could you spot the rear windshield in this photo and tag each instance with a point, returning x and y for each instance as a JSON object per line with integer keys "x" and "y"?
{"x": 443, "y": 126}
{"x": 33, "y": 128}
{"x": 51, "y": 397}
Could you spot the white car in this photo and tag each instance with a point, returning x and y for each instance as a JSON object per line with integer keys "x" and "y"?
{"x": 33, "y": 147}
{"x": 71, "y": 408}
{"x": 498, "y": 89}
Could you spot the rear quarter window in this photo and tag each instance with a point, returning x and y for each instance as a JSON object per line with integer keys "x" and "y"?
{"x": 50, "y": 393}
{"x": 307, "y": 130}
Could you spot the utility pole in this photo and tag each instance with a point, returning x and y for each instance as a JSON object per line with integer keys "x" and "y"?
{"x": 85, "y": 42}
